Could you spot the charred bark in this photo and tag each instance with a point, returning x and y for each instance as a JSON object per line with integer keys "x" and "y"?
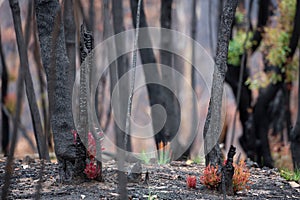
{"x": 122, "y": 68}
{"x": 117, "y": 68}
{"x": 155, "y": 91}
{"x": 15, "y": 8}
{"x": 34, "y": 111}
{"x": 42, "y": 88}
{"x": 4, "y": 116}
{"x": 228, "y": 171}
{"x": 212, "y": 127}
{"x": 263, "y": 14}
{"x": 295, "y": 135}
{"x": 70, "y": 155}
{"x": 70, "y": 33}
{"x": 170, "y": 101}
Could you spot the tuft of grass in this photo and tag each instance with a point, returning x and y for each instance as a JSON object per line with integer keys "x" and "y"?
{"x": 152, "y": 196}
{"x": 290, "y": 175}
{"x": 164, "y": 154}
{"x": 198, "y": 160}
{"x": 145, "y": 157}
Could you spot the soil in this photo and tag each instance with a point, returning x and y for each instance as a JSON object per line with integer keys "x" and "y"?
{"x": 165, "y": 182}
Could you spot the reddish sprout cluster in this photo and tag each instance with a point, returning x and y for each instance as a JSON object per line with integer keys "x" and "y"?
{"x": 211, "y": 178}
{"x": 92, "y": 144}
{"x": 92, "y": 170}
{"x": 191, "y": 181}
{"x": 240, "y": 179}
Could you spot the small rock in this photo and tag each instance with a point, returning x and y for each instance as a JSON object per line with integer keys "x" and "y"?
{"x": 279, "y": 183}
{"x": 28, "y": 160}
{"x": 135, "y": 173}
{"x": 294, "y": 184}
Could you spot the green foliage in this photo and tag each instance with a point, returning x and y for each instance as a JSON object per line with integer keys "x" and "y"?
{"x": 259, "y": 80}
{"x": 277, "y": 37}
{"x": 152, "y": 197}
{"x": 263, "y": 79}
{"x": 290, "y": 175}
{"x": 239, "y": 17}
{"x": 236, "y": 47}
{"x": 236, "y": 44}
{"x": 145, "y": 157}
{"x": 275, "y": 47}
{"x": 198, "y": 160}
{"x": 164, "y": 154}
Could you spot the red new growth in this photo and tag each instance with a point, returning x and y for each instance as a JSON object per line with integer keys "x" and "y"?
{"x": 191, "y": 181}
{"x": 92, "y": 144}
{"x": 241, "y": 176}
{"x": 92, "y": 170}
{"x": 211, "y": 178}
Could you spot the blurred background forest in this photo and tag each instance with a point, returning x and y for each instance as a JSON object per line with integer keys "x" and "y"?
{"x": 272, "y": 119}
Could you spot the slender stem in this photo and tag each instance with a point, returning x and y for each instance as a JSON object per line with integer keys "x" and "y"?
{"x": 132, "y": 81}
{"x": 242, "y": 69}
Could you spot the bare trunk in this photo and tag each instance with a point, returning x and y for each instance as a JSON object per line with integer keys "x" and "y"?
{"x": 295, "y": 136}
{"x": 212, "y": 127}
{"x": 169, "y": 99}
{"x": 34, "y": 111}
{"x": 70, "y": 155}
{"x": 151, "y": 73}
{"x": 15, "y": 8}
{"x": 70, "y": 33}
{"x": 4, "y": 117}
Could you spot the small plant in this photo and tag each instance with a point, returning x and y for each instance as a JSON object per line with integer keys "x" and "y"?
{"x": 290, "y": 175}
{"x": 152, "y": 197}
{"x": 240, "y": 179}
{"x": 144, "y": 157}
{"x": 211, "y": 178}
{"x": 191, "y": 181}
{"x": 198, "y": 160}
{"x": 92, "y": 169}
{"x": 236, "y": 47}
{"x": 164, "y": 154}
{"x": 10, "y": 102}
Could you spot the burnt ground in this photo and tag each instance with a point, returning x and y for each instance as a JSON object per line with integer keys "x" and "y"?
{"x": 165, "y": 182}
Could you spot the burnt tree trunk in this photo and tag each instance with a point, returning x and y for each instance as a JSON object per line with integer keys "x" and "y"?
{"x": 70, "y": 155}
{"x": 122, "y": 68}
{"x": 212, "y": 127}
{"x": 261, "y": 122}
{"x": 70, "y": 33}
{"x": 9, "y": 169}
{"x": 34, "y": 111}
{"x": 4, "y": 117}
{"x": 263, "y": 14}
{"x": 155, "y": 92}
{"x": 295, "y": 135}
{"x": 42, "y": 88}
{"x": 169, "y": 100}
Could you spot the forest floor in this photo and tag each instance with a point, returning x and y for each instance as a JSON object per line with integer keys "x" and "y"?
{"x": 165, "y": 182}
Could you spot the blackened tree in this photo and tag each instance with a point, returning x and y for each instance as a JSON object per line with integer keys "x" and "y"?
{"x": 212, "y": 125}
{"x": 71, "y": 156}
